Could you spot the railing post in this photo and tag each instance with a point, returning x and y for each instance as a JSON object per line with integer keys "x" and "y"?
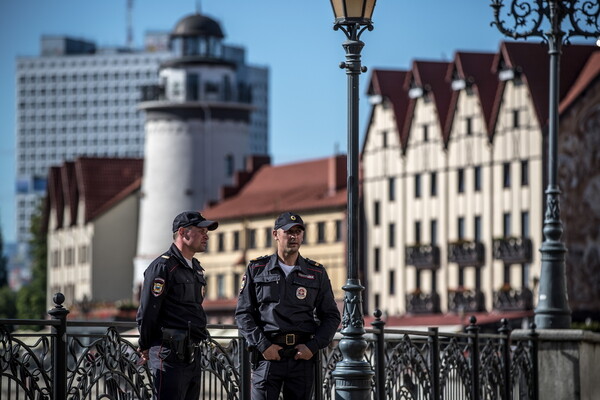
{"x": 245, "y": 370}
{"x": 59, "y": 350}
{"x": 378, "y": 324}
{"x": 533, "y": 343}
{"x": 505, "y": 343}
{"x": 318, "y": 386}
{"x": 473, "y": 331}
{"x": 434, "y": 361}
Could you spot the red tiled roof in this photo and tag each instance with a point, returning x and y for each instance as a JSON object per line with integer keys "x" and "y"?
{"x": 273, "y": 189}
{"x": 390, "y": 85}
{"x": 588, "y": 74}
{"x": 475, "y": 69}
{"x": 106, "y": 180}
{"x": 99, "y": 182}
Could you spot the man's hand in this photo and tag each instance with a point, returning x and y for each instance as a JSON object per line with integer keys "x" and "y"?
{"x": 272, "y": 353}
{"x": 144, "y": 356}
{"x": 303, "y": 353}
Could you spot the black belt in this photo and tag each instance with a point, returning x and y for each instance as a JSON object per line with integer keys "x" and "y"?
{"x": 290, "y": 339}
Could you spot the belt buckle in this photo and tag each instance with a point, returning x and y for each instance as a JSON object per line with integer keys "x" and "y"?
{"x": 290, "y": 339}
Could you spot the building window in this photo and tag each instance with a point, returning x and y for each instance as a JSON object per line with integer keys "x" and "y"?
{"x": 477, "y": 178}
{"x": 392, "y": 235}
{"x": 376, "y": 259}
{"x": 391, "y": 189}
{"x": 384, "y": 138}
{"x": 515, "y": 118}
{"x": 417, "y": 186}
{"x": 477, "y": 228}
{"x": 506, "y": 224}
{"x": 221, "y": 241}
{"x": 320, "y": 232}
{"x": 417, "y": 232}
{"x": 469, "y": 126}
{"x": 251, "y": 238}
{"x": 229, "y": 164}
{"x": 506, "y": 174}
{"x": 433, "y": 226}
{"x": 268, "y": 237}
{"x": 392, "y": 282}
{"x": 220, "y": 286}
{"x": 461, "y": 180}
{"x": 376, "y": 213}
{"x": 524, "y": 173}
{"x": 425, "y": 133}
{"x": 461, "y": 228}
{"x": 338, "y": 230}
{"x": 433, "y": 184}
{"x": 236, "y": 283}
{"x": 525, "y": 224}
{"x": 236, "y": 240}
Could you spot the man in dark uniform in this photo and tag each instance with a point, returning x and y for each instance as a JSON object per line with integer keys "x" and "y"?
{"x": 170, "y": 318}
{"x": 286, "y": 312}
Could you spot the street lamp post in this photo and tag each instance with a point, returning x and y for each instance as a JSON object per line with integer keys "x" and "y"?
{"x": 353, "y": 375}
{"x": 527, "y": 17}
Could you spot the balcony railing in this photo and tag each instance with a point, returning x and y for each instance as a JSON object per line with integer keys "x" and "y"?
{"x": 422, "y": 303}
{"x": 465, "y": 300}
{"x": 509, "y": 299}
{"x": 513, "y": 250}
{"x": 424, "y": 256}
{"x": 466, "y": 253}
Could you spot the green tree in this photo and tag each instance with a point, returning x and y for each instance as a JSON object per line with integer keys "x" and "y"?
{"x": 31, "y": 299}
{"x": 3, "y": 263}
{"x": 8, "y": 297}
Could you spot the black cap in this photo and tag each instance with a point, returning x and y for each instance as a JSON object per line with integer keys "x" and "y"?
{"x": 193, "y": 218}
{"x": 287, "y": 220}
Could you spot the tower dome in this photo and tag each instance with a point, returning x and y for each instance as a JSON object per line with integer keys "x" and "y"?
{"x": 198, "y": 25}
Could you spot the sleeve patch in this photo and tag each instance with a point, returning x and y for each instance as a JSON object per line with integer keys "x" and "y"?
{"x": 243, "y": 284}
{"x": 158, "y": 286}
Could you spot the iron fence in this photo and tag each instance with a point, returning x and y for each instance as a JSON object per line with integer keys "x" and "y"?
{"x": 78, "y": 360}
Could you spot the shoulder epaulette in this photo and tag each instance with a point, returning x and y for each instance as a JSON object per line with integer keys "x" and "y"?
{"x": 260, "y": 258}
{"x": 313, "y": 263}
{"x": 165, "y": 256}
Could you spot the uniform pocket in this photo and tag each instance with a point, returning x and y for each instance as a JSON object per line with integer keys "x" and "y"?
{"x": 184, "y": 289}
{"x": 267, "y": 288}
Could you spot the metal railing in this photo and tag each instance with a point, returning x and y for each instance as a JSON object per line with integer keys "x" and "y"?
{"x": 85, "y": 360}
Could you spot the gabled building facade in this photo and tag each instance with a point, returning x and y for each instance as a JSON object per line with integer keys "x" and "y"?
{"x": 91, "y": 218}
{"x": 454, "y": 163}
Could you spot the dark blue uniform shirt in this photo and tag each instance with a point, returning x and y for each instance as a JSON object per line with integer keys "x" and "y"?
{"x": 271, "y": 303}
{"x": 171, "y": 297}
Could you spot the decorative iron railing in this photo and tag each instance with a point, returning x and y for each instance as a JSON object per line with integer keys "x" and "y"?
{"x": 100, "y": 362}
{"x": 513, "y": 250}
{"x": 466, "y": 253}
{"x": 509, "y": 299}
{"x": 423, "y": 256}
{"x": 465, "y": 300}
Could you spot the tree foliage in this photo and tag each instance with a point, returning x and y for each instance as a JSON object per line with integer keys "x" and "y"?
{"x": 31, "y": 299}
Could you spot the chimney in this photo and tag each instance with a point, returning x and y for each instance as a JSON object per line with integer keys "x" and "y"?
{"x": 336, "y": 170}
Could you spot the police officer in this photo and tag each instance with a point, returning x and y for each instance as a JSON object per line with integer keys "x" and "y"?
{"x": 170, "y": 317}
{"x": 286, "y": 312}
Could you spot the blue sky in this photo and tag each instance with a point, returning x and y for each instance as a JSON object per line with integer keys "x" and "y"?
{"x": 293, "y": 38}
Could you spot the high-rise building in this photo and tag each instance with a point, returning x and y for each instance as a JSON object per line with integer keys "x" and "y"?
{"x": 77, "y": 99}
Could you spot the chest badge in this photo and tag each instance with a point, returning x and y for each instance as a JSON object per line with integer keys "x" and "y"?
{"x": 158, "y": 286}
{"x": 301, "y": 293}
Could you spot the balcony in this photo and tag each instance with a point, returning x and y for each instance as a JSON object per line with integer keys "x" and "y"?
{"x": 509, "y": 299}
{"x": 513, "y": 250}
{"x": 466, "y": 253}
{"x": 424, "y": 256}
{"x": 463, "y": 300}
{"x": 418, "y": 302}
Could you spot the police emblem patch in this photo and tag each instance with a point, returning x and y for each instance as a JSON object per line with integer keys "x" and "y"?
{"x": 243, "y": 284}
{"x": 301, "y": 293}
{"x": 158, "y": 286}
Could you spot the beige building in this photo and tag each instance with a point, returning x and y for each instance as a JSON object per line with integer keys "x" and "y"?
{"x": 454, "y": 163}
{"x": 91, "y": 218}
{"x": 314, "y": 189}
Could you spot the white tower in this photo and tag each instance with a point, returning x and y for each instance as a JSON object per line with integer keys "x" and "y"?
{"x": 197, "y": 123}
